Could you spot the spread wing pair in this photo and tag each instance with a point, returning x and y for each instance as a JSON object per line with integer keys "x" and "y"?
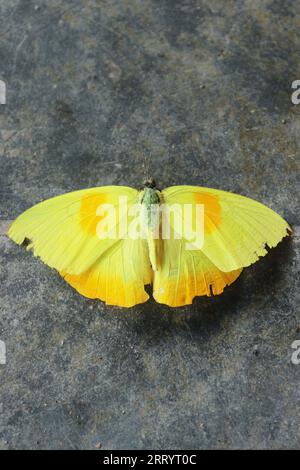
{"x": 62, "y": 231}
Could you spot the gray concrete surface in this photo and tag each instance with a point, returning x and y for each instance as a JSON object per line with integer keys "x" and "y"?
{"x": 194, "y": 92}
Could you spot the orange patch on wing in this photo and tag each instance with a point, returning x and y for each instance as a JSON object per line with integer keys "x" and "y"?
{"x": 88, "y": 217}
{"x": 110, "y": 289}
{"x": 212, "y": 211}
{"x": 177, "y": 293}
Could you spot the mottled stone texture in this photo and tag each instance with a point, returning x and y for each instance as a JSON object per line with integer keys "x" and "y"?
{"x": 192, "y": 92}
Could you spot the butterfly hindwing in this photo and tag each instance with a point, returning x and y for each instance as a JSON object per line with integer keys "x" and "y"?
{"x": 118, "y": 278}
{"x": 186, "y": 274}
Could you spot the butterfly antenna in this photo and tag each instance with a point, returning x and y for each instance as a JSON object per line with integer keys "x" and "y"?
{"x": 148, "y": 181}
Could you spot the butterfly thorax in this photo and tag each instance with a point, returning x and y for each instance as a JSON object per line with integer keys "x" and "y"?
{"x": 150, "y": 201}
{"x": 150, "y": 196}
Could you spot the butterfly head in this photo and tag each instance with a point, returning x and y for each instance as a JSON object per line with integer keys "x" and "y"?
{"x": 149, "y": 183}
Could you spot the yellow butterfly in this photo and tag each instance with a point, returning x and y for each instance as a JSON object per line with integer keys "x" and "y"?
{"x": 106, "y": 248}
